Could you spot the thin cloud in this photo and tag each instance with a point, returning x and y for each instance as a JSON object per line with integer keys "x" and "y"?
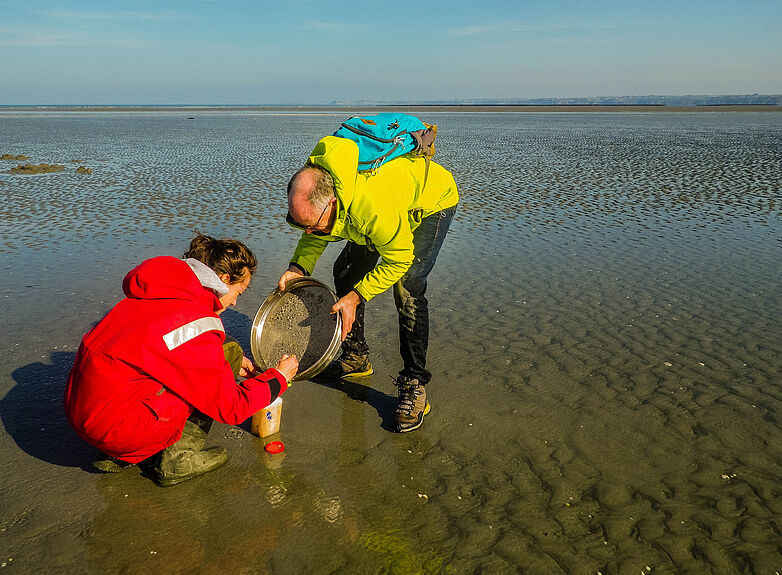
{"x": 326, "y": 26}
{"x": 500, "y": 29}
{"x": 43, "y": 39}
{"x": 116, "y": 15}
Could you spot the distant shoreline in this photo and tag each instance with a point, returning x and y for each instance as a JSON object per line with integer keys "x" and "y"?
{"x": 408, "y": 108}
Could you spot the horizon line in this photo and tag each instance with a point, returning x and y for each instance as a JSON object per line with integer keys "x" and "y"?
{"x": 625, "y": 100}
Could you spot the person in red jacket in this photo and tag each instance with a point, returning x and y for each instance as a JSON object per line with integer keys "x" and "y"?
{"x": 154, "y": 373}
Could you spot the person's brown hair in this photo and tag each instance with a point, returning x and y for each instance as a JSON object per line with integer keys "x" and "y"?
{"x": 227, "y": 256}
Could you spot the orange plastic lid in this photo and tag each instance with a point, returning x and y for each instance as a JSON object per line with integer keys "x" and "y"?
{"x": 275, "y": 447}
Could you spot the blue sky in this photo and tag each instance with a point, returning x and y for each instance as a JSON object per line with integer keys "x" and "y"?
{"x": 319, "y": 51}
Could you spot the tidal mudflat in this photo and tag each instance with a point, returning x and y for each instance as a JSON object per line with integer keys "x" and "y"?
{"x": 606, "y": 348}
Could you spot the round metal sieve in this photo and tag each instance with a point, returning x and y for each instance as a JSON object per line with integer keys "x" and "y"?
{"x": 297, "y": 320}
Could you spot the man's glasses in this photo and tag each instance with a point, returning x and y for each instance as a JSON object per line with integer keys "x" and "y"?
{"x": 311, "y": 229}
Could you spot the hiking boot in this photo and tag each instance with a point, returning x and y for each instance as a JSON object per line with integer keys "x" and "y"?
{"x": 412, "y": 405}
{"x": 109, "y": 464}
{"x": 349, "y": 365}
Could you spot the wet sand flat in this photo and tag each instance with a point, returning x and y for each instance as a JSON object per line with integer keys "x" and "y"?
{"x": 606, "y": 351}
{"x": 411, "y": 108}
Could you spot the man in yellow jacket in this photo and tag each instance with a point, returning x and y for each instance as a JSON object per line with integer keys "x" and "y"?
{"x": 394, "y": 221}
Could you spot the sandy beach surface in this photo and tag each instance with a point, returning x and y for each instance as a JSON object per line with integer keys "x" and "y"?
{"x": 606, "y": 348}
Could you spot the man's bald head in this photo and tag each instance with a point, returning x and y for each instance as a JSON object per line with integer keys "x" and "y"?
{"x": 310, "y": 190}
{"x": 312, "y": 184}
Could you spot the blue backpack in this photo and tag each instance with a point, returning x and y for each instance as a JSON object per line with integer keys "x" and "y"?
{"x": 386, "y": 136}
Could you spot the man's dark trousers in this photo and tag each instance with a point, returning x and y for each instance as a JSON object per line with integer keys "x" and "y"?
{"x": 355, "y": 261}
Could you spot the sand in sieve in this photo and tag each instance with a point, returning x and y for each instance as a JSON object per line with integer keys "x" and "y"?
{"x": 301, "y": 324}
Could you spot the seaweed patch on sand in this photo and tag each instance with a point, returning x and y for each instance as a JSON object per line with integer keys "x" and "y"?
{"x": 37, "y": 168}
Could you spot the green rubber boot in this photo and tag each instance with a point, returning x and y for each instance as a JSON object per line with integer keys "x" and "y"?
{"x": 109, "y": 464}
{"x": 186, "y": 458}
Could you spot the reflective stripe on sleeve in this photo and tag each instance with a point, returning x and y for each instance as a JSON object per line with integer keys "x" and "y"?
{"x": 190, "y": 330}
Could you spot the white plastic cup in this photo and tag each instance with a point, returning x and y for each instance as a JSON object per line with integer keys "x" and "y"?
{"x": 267, "y": 421}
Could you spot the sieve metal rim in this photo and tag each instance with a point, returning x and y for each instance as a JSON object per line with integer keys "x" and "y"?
{"x": 265, "y": 310}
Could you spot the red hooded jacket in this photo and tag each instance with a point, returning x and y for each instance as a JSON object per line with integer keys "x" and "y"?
{"x": 155, "y": 357}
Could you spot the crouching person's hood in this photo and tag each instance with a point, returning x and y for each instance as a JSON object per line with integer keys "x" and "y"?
{"x": 167, "y": 277}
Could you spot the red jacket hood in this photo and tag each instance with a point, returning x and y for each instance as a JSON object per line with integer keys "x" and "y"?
{"x": 167, "y": 277}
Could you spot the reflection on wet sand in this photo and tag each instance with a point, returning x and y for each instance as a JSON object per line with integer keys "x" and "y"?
{"x": 606, "y": 328}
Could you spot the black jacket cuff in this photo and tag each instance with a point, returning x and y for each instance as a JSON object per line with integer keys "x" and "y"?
{"x": 274, "y": 387}
{"x": 298, "y": 267}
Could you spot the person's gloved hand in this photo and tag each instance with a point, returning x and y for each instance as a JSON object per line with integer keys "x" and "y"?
{"x": 288, "y": 366}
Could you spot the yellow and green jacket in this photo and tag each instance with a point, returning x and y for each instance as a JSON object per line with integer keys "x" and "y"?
{"x": 380, "y": 211}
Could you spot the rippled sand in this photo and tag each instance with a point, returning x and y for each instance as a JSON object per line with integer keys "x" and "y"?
{"x": 606, "y": 349}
